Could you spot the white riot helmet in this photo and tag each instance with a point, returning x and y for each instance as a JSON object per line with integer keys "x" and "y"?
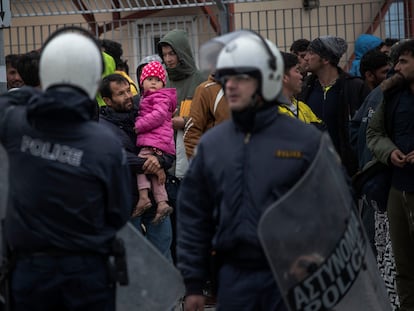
{"x": 250, "y": 54}
{"x": 73, "y": 59}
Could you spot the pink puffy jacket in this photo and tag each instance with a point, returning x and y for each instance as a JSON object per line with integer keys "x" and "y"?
{"x": 153, "y": 124}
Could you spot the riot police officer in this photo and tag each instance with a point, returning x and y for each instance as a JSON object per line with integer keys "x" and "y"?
{"x": 69, "y": 185}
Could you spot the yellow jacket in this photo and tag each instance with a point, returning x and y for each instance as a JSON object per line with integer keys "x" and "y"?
{"x": 299, "y": 110}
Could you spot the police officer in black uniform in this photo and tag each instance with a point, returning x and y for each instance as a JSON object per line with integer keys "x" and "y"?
{"x": 69, "y": 184}
{"x": 240, "y": 168}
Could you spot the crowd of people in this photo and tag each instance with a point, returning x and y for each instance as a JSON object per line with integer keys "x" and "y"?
{"x": 193, "y": 158}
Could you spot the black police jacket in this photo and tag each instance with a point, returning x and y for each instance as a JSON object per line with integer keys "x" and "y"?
{"x": 69, "y": 178}
{"x": 233, "y": 178}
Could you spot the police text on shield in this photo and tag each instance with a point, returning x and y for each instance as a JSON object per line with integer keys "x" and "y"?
{"x": 324, "y": 288}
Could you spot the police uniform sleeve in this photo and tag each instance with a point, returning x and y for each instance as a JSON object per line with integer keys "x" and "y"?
{"x": 195, "y": 226}
{"x": 5, "y": 107}
{"x": 119, "y": 191}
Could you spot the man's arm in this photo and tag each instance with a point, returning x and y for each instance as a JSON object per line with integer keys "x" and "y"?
{"x": 377, "y": 140}
{"x": 118, "y": 189}
{"x": 166, "y": 160}
{"x": 6, "y": 104}
{"x": 355, "y": 124}
{"x": 195, "y": 226}
{"x": 136, "y": 163}
{"x": 358, "y": 126}
{"x": 198, "y": 119}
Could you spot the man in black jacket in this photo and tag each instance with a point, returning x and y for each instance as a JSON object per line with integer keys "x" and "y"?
{"x": 332, "y": 94}
{"x": 69, "y": 192}
{"x": 119, "y": 115}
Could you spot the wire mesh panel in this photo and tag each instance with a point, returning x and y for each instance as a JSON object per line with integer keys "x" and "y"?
{"x": 139, "y": 34}
{"x": 24, "y": 8}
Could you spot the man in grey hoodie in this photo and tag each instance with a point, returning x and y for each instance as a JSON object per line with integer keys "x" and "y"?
{"x": 175, "y": 50}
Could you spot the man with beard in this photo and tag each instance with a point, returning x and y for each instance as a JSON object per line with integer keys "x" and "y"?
{"x": 119, "y": 115}
{"x": 390, "y": 137}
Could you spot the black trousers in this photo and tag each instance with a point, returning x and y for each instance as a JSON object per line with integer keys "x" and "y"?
{"x": 70, "y": 283}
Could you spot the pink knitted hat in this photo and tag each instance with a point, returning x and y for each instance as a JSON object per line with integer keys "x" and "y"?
{"x": 153, "y": 69}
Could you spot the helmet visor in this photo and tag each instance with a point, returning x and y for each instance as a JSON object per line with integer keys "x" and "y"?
{"x": 210, "y": 50}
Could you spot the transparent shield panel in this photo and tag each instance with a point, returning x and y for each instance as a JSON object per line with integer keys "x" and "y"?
{"x": 316, "y": 245}
{"x": 154, "y": 283}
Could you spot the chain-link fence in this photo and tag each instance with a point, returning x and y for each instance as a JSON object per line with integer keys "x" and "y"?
{"x": 139, "y": 31}
{"x": 25, "y": 8}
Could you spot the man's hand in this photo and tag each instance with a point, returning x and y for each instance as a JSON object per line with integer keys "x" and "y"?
{"x": 194, "y": 303}
{"x": 398, "y": 158}
{"x": 410, "y": 157}
{"x": 178, "y": 123}
{"x": 151, "y": 165}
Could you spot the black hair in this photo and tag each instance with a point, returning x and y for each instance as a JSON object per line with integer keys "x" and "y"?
{"x": 159, "y": 49}
{"x": 12, "y": 60}
{"x": 28, "y": 68}
{"x": 300, "y": 45}
{"x": 406, "y": 46}
{"x": 373, "y": 60}
{"x": 113, "y": 48}
{"x": 105, "y": 89}
{"x": 390, "y": 41}
{"x": 122, "y": 65}
{"x": 290, "y": 60}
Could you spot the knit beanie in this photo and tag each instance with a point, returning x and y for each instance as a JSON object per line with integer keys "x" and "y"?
{"x": 329, "y": 47}
{"x": 153, "y": 69}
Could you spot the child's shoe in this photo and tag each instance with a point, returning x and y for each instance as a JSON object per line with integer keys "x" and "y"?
{"x": 141, "y": 207}
{"x": 163, "y": 210}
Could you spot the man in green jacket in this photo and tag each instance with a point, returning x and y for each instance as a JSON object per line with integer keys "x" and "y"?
{"x": 175, "y": 51}
{"x": 390, "y": 137}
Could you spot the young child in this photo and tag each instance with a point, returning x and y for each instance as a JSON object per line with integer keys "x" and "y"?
{"x": 155, "y": 134}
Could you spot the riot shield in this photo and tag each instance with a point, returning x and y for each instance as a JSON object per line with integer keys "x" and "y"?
{"x": 316, "y": 245}
{"x": 154, "y": 283}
